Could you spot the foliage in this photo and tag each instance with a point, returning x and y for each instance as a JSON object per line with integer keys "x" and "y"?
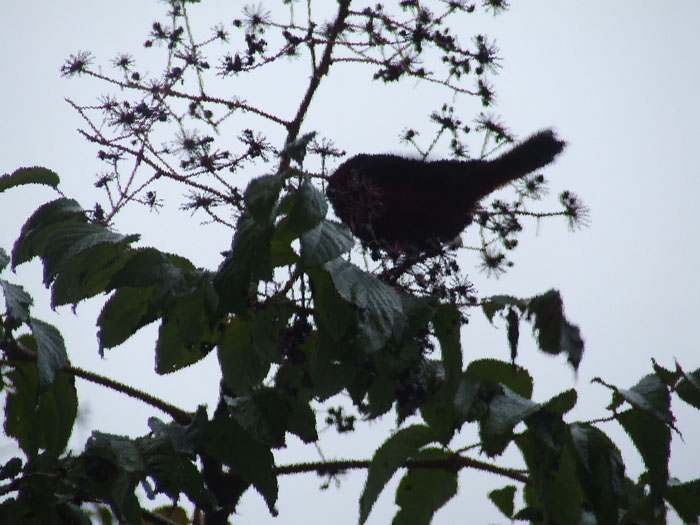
{"x": 294, "y": 320}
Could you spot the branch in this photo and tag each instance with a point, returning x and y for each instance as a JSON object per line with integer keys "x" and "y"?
{"x": 19, "y": 352}
{"x": 455, "y": 462}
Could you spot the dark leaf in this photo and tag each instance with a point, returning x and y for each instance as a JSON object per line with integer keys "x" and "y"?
{"x": 241, "y": 366}
{"x": 554, "y": 332}
{"x": 39, "y": 419}
{"x": 505, "y": 411}
{"x": 308, "y": 207}
{"x": 39, "y": 227}
{"x": 601, "y": 470}
{"x": 17, "y": 301}
{"x": 688, "y": 388}
{"x": 33, "y": 175}
{"x": 685, "y": 499}
{"x": 262, "y": 414}
{"x": 51, "y": 351}
{"x": 379, "y": 307}
{"x": 499, "y": 372}
{"x": 261, "y": 196}
{"x": 388, "y": 458}
{"x": 226, "y": 440}
{"x": 325, "y": 242}
{"x": 423, "y": 491}
{"x": 296, "y": 150}
{"x": 504, "y": 499}
{"x": 72, "y": 240}
{"x": 653, "y": 441}
{"x": 493, "y": 305}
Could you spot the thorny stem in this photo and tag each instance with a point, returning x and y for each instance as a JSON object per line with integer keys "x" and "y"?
{"x": 455, "y": 462}
{"x": 295, "y": 125}
{"x": 17, "y": 351}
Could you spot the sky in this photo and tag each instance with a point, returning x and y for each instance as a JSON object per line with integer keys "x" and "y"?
{"x": 617, "y": 80}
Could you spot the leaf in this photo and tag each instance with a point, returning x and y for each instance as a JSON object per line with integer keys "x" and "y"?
{"x": 379, "y": 307}
{"x": 261, "y": 196}
{"x": 554, "y": 332}
{"x": 226, "y": 440}
{"x": 39, "y": 419}
{"x": 33, "y": 175}
{"x": 88, "y": 273}
{"x": 308, "y": 207}
{"x": 505, "y": 412}
{"x": 296, "y": 150}
{"x": 247, "y": 263}
{"x": 685, "y": 499}
{"x": 17, "y": 301}
{"x": 652, "y": 438}
{"x": 552, "y": 469}
{"x": 492, "y": 305}
{"x": 302, "y": 420}
{"x": 123, "y": 315}
{"x": 331, "y": 312}
{"x": 423, "y": 491}
{"x": 185, "y": 335}
{"x": 513, "y": 322}
{"x": 263, "y": 414}
{"x": 601, "y": 470}
{"x": 688, "y": 388}
{"x": 499, "y": 372}
{"x": 323, "y": 243}
{"x": 11, "y": 469}
{"x": 72, "y": 240}
{"x": 388, "y": 458}
{"x": 439, "y": 411}
{"x": 41, "y": 225}
{"x": 241, "y": 366}
{"x": 51, "y": 351}
{"x": 504, "y": 499}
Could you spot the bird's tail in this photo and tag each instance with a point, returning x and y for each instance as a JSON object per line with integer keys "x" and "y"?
{"x": 533, "y": 153}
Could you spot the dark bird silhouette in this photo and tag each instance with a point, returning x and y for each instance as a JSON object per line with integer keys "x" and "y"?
{"x": 403, "y": 203}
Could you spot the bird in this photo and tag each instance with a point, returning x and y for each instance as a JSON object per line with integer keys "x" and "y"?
{"x": 396, "y": 202}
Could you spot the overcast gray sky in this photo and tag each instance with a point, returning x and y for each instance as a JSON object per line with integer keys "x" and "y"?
{"x": 618, "y": 80}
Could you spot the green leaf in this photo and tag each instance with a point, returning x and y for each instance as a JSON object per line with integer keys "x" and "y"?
{"x": 71, "y": 240}
{"x": 423, "y": 491}
{"x": 688, "y": 388}
{"x": 262, "y": 414}
{"x": 505, "y": 412}
{"x": 226, "y": 440}
{"x": 499, "y": 372}
{"x": 601, "y": 470}
{"x": 247, "y": 263}
{"x": 685, "y": 499}
{"x": 331, "y": 312}
{"x": 513, "y": 322}
{"x": 555, "y": 334}
{"x": 379, "y": 307}
{"x": 51, "y": 351}
{"x": 323, "y": 243}
{"x": 185, "y": 335}
{"x": 308, "y": 208}
{"x": 388, "y": 459}
{"x": 241, "y": 366}
{"x": 123, "y": 315}
{"x": 39, "y": 419}
{"x": 41, "y": 225}
{"x": 552, "y": 469}
{"x": 492, "y": 305}
{"x": 88, "y": 273}
{"x": 652, "y": 438}
{"x": 17, "y": 301}
{"x": 504, "y": 499}
{"x": 261, "y": 196}
{"x": 296, "y": 150}
{"x": 33, "y": 175}
{"x": 302, "y": 420}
